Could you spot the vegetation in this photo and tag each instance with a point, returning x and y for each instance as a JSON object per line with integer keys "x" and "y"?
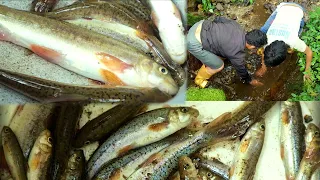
{"x": 192, "y": 19}
{"x": 208, "y": 94}
{"x": 207, "y": 6}
{"x": 311, "y": 89}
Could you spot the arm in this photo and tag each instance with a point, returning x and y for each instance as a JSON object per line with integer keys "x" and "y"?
{"x": 263, "y": 68}
{"x": 308, "y": 53}
{"x": 238, "y": 64}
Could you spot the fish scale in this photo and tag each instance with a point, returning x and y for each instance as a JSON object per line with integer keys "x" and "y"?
{"x": 146, "y": 128}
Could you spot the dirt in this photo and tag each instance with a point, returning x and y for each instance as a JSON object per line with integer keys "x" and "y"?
{"x": 279, "y": 82}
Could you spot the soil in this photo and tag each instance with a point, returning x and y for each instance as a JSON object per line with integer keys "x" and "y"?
{"x": 279, "y": 82}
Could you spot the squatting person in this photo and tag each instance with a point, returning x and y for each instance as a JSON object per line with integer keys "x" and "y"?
{"x": 213, "y": 41}
{"x": 283, "y": 29}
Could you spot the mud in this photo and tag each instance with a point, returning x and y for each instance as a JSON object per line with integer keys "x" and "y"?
{"x": 279, "y": 82}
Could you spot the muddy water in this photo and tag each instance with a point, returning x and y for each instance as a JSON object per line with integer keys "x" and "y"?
{"x": 279, "y": 82}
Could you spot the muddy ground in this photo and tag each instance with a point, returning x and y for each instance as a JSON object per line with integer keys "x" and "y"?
{"x": 279, "y": 82}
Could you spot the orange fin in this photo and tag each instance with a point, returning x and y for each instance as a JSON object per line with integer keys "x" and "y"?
{"x": 244, "y": 146}
{"x": 231, "y": 171}
{"x": 285, "y": 117}
{"x": 282, "y": 152}
{"x": 115, "y": 175}
{"x": 112, "y": 63}
{"x": 152, "y": 159}
{"x": 111, "y": 78}
{"x": 159, "y": 126}
{"x": 125, "y": 149}
{"x": 46, "y": 53}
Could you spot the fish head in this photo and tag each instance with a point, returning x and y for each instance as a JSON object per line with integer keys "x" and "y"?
{"x": 258, "y": 128}
{"x": 186, "y": 166}
{"x": 6, "y": 134}
{"x": 76, "y": 160}
{"x": 45, "y": 141}
{"x": 312, "y": 131}
{"x": 182, "y": 116}
{"x": 158, "y": 76}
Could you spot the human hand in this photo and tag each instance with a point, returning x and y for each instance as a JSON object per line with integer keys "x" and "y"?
{"x": 255, "y": 82}
{"x": 261, "y": 72}
{"x": 306, "y": 77}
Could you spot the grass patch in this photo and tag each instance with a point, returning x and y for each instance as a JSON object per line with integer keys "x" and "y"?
{"x": 192, "y": 19}
{"x": 208, "y": 94}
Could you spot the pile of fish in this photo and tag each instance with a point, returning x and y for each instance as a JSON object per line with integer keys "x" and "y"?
{"x": 299, "y": 151}
{"x": 133, "y": 143}
{"x": 134, "y": 47}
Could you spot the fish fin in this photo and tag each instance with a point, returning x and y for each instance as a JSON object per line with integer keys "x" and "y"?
{"x": 220, "y": 119}
{"x": 282, "y": 151}
{"x": 115, "y": 175}
{"x": 111, "y": 78}
{"x": 285, "y": 117}
{"x": 46, "y": 53}
{"x": 231, "y": 172}
{"x": 112, "y": 63}
{"x": 158, "y": 126}
{"x": 125, "y": 149}
{"x": 19, "y": 110}
{"x": 244, "y": 146}
{"x": 152, "y": 159}
{"x": 166, "y": 106}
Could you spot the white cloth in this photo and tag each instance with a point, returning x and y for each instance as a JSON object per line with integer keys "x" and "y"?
{"x": 286, "y": 27}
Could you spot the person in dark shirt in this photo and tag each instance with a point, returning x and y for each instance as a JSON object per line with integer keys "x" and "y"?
{"x": 213, "y": 41}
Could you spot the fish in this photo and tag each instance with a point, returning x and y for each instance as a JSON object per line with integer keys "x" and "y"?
{"x": 171, "y": 32}
{"x": 43, "y": 6}
{"x": 84, "y": 52}
{"x": 64, "y": 132}
{"x": 137, "y": 7}
{"x": 215, "y": 167}
{"x": 28, "y": 123}
{"x": 144, "y": 129}
{"x": 248, "y": 153}
{"x": 187, "y": 169}
{"x": 40, "y": 156}
{"x": 292, "y": 143}
{"x": 46, "y": 91}
{"x": 123, "y": 167}
{"x": 205, "y": 174}
{"x": 108, "y": 20}
{"x": 13, "y": 154}
{"x": 175, "y": 176}
{"x": 165, "y": 161}
{"x": 6, "y": 114}
{"x": 311, "y": 158}
{"x": 75, "y": 166}
{"x": 106, "y": 123}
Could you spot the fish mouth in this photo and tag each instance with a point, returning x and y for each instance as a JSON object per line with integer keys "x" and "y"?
{"x": 179, "y": 57}
{"x": 170, "y": 88}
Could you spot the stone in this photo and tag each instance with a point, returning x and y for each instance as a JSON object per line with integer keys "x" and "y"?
{"x": 219, "y": 7}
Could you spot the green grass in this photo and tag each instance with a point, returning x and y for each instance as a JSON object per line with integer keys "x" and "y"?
{"x": 208, "y": 94}
{"x": 192, "y": 19}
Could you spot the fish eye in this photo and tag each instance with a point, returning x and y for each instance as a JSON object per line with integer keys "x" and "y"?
{"x": 186, "y": 166}
{"x": 316, "y": 133}
{"x": 87, "y": 142}
{"x": 6, "y": 130}
{"x": 163, "y": 70}
{"x": 184, "y": 110}
{"x": 78, "y": 158}
{"x": 209, "y": 175}
{"x": 262, "y": 127}
{"x": 49, "y": 139}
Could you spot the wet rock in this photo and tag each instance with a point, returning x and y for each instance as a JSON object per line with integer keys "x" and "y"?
{"x": 219, "y": 7}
